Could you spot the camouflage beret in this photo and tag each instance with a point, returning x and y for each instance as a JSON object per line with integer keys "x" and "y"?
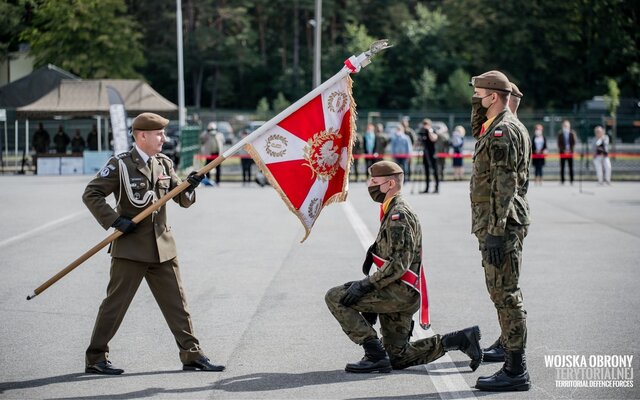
{"x": 515, "y": 91}
{"x": 149, "y": 122}
{"x": 492, "y": 80}
{"x": 384, "y": 168}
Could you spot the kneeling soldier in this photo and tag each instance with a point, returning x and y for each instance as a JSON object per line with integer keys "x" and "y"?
{"x": 390, "y": 292}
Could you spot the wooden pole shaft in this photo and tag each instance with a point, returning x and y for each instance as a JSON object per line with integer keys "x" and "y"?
{"x": 116, "y": 234}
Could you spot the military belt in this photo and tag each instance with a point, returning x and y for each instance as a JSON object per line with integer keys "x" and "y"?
{"x": 409, "y": 277}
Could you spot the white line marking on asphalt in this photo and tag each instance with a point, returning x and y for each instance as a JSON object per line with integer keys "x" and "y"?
{"x": 447, "y": 381}
{"x": 40, "y": 228}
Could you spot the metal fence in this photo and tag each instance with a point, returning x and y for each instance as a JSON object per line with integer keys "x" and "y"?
{"x": 16, "y": 154}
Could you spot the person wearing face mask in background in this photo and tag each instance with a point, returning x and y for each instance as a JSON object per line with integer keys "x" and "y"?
{"x": 392, "y": 291}
{"x": 567, "y": 140}
{"x": 539, "y": 147}
{"x": 500, "y": 218}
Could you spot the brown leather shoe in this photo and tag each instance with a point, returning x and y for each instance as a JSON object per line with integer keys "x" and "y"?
{"x": 104, "y": 368}
{"x": 202, "y": 364}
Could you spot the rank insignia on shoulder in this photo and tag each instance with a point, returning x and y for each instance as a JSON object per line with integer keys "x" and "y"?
{"x": 123, "y": 155}
{"x": 497, "y": 133}
{"x": 395, "y": 217}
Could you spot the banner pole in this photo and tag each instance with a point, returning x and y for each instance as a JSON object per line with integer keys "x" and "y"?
{"x": 116, "y": 234}
{"x": 353, "y": 64}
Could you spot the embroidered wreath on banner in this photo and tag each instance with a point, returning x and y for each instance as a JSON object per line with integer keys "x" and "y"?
{"x": 276, "y": 145}
{"x": 337, "y": 101}
{"x": 322, "y": 154}
{"x": 314, "y": 208}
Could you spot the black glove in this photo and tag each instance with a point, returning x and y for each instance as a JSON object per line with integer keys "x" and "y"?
{"x": 368, "y": 260}
{"x": 494, "y": 249}
{"x": 356, "y": 291}
{"x": 194, "y": 180}
{"x": 371, "y": 317}
{"x": 124, "y": 225}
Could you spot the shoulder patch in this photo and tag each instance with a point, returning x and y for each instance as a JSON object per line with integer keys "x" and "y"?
{"x": 497, "y": 132}
{"x": 104, "y": 172}
{"x": 396, "y": 217}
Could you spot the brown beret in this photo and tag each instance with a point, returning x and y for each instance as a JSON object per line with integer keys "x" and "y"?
{"x": 515, "y": 91}
{"x": 149, "y": 122}
{"x": 493, "y": 80}
{"x": 384, "y": 168}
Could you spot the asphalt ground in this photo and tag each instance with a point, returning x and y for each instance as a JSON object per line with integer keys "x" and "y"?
{"x": 256, "y": 294}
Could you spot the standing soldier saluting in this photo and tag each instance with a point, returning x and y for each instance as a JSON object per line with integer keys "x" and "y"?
{"x": 146, "y": 250}
{"x": 500, "y": 218}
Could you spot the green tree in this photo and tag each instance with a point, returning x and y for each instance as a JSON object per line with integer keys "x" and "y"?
{"x": 91, "y": 38}
{"x": 456, "y": 92}
{"x": 280, "y": 103}
{"x": 425, "y": 89}
{"x": 262, "y": 108}
{"x": 10, "y": 27}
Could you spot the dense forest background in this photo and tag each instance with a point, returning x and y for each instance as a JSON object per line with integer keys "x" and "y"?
{"x": 239, "y": 53}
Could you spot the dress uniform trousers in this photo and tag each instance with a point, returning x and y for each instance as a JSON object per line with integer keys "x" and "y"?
{"x": 166, "y": 286}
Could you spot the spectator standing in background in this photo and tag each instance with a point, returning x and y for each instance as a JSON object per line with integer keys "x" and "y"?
{"x": 428, "y": 139}
{"x": 77, "y": 143}
{"x": 92, "y": 139}
{"x": 413, "y": 138}
{"x": 442, "y": 147}
{"x": 401, "y": 149}
{"x": 41, "y": 139}
{"x": 457, "y": 144}
{"x": 357, "y": 151}
{"x": 245, "y": 161}
{"x": 601, "y": 156}
{"x": 539, "y": 150}
{"x": 567, "y": 139}
{"x": 61, "y": 140}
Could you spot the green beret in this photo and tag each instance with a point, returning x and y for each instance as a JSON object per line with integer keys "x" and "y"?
{"x": 492, "y": 80}
{"x": 384, "y": 168}
{"x": 515, "y": 91}
{"x": 149, "y": 122}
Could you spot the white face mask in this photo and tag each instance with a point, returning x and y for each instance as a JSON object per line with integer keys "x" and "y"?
{"x": 538, "y": 132}
{"x": 565, "y": 130}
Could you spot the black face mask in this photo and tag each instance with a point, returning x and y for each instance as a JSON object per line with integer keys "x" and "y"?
{"x": 376, "y": 194}
{"x": 478, "y": 115}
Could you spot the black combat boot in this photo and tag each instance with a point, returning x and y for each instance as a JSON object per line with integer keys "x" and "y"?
{"x": 512, "y": 377}
{"x": 494, "y": 353}
{"x": 467, "y": 341}
{"x": 375, "y": 358}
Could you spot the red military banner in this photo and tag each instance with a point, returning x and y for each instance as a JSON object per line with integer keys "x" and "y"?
{"x": 307, "y": 156}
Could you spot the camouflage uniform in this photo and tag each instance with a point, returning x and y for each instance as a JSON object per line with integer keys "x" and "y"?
{"x": 400, "y": 242}
{"x": 499, "y": 207}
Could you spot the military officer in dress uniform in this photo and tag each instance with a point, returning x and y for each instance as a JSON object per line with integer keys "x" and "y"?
{"x": 500, "y": 218}
{"x": 137, "y": 178}
{"x": 389, "y": 292}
